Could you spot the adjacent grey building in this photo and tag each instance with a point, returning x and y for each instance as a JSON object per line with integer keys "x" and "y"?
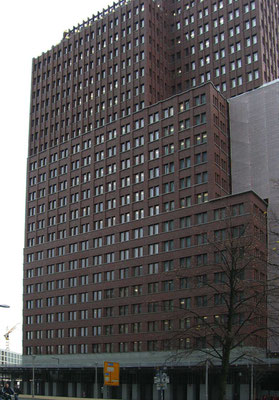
{"x": 254, "y": 118}
{"x": 254, "y": 126}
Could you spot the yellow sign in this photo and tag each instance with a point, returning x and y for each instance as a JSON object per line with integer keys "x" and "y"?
{"x": 111, "y": 373}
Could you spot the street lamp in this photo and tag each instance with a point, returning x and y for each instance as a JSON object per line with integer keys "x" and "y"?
{"x": 4, "y": 306}
{"x": 33, "y": 376}
{"x": 57, "y": 378}
{"x": 96, "y": 380}
{"x": 252, "y": 382}
{"x": 206, "y": 379}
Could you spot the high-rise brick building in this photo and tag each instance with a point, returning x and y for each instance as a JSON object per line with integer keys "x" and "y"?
{"x": 232, "y": 43}
{"x": 128, "y": 181}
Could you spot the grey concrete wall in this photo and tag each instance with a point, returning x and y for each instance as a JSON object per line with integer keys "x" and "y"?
{"x": 254, "y": 126}
{"x": 254, "y": 123}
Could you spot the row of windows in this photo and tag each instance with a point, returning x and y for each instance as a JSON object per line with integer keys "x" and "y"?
{"x": 90, "y": 36}
{"x": 100, "y": 155}
{"x": 109, "y": 87}
{"x": 136, "y": 327}
{"x": 151, "y": 249}
{"x": 252, "y": 75}
{"x": 135, "y": 290}
{"x": 126, "y": 181}
{"x": 198, "y": 100}
{"x": 167, "y": 187}
{"x": 111, "y": 221}
{"x": 234, "y": 48}
{"x": 99, "y": 61}
{"x": 123, "y": 273}
{"x": 185, "y": 303}
{"x": 231, "y": 15}
{"x": 214, "y": 8}
{"x": 135, "y": 346}
{"x": 168, "y": 168}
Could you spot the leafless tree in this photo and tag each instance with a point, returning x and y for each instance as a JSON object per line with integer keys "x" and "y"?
{"x": 230, "y": 317}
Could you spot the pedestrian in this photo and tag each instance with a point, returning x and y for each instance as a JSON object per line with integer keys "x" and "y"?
{"x": 16, "y": 391}
{"x": 8, "y": 391}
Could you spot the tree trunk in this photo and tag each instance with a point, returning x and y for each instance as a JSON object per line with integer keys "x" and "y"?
{"x": 224, "y": 373}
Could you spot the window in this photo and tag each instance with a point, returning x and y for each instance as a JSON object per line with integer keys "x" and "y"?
{"x": 154, "y": 172}
{"x": 202, "y": 197}
{"x": 185, "y": 242}
{"x": 237, "y": 209}
{"x": 168, "y": 285}
{"x": 184, "y": 144}
{"x": 219, "y": 277}
{"x": 184, "y": 283}
{"x": 185, "y": 303}
{"x": 185, "y": 162}
{"x": 185, "y": 182}
{"x": 153, "y": 210}
{"x": 153, "y": 229}
{"x": 153, "y": 136}
{"x": 201, "y": 301}
{"x": 201, "y": 218}
{"x": 219, "y": 299}
{"x": 200, "y": 119}
{"x": 168, "y": 168}
{"x": 124, "y": 254}
{"x": 237, "y": 231}
{"x": 154, "y": 191}
{"x": 219, "y": 213}
{"x": 168, "y": 226}
{"x": 138, "y": 252}
{"x": 220, "y": 234}
{"x": 153, "y": 268}
{"x": 201, "y": 280}
{"x": 153, "y": 248}
{"x": 123, "y": 273}
{"x": 201, "y": 177}
{"x": 168, "y": 265}
{"x": 168, "y": 187}
{"x": 153, "y": 154}
{"x": 185, "y": 222}
{"x": 168, "y": 149}
{"x": 201, "y": 157}
{"x": 168, "y": 245}
{"x": 201, "y": 138}
{"x": 154, "y": 118}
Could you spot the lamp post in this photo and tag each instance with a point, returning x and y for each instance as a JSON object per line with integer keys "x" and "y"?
{"x": 96, "y": 380}
{"x": 206, "y": 379}
{"x": 252, "y": 382}
{"x": 33, "y": 377}
{"x": 57, "y": 378}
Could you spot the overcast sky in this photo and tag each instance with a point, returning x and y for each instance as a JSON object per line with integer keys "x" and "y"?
{"x": 27, "y": 29}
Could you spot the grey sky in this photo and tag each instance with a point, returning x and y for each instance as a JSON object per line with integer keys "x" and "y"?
{"x": 27, "y": 28}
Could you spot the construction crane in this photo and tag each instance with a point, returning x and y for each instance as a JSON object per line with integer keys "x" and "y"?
{"x": 7, "y": 336}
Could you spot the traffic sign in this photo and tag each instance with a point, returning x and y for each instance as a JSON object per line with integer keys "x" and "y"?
{"x": 111, "y": 373}
{"x": 161, "y": 380}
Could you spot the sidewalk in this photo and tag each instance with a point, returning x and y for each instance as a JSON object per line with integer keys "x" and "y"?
{"x": 37, "y": 397}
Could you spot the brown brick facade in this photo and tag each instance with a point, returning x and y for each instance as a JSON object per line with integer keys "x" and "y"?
{"x": 127, "y": 167}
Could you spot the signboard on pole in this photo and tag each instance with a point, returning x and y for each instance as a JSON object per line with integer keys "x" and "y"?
{"x": 111, "y": 373}
{"x": 161, "y": 380}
